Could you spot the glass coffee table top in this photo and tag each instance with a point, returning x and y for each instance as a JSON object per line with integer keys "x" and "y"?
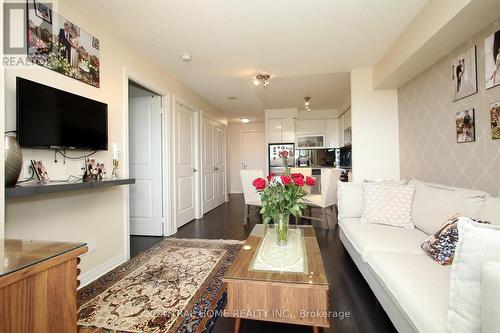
{"x": 261, "y": 259}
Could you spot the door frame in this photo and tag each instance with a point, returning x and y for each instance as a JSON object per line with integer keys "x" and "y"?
{"x": 129, "y": 75}
{"x": 203, "y": 115}
{"x": 197, "y": 186}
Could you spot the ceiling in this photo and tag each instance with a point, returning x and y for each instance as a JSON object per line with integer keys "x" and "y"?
{"x": 308, "y": 47}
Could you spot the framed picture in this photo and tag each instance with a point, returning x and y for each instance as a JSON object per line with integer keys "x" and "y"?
{"x": 43, "y": 11}
{"x": 61, "y": 45}
{"x": 492, "y": 60}
{"x": 466, "y": 126}
{"x": 95, "y": 43}
{"x": 39, "y": 170}
{"x": 495, "y": 120}
{"x": 464, "y": 74}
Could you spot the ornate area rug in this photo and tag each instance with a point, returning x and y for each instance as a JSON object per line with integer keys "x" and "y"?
{"x": 174, "y": 286}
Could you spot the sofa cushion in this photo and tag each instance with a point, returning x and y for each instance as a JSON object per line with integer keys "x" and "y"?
{"x": 490, "y": 297}
{"x": 477, "y": 244}
{"x": 350, "y": 196}
{"x": 490, "y": 211}
{"x": 417, "y": 284}
{"x": 388, "y": 203}
{"x": 434, "y": 203}
{"x": 368, "y": 237}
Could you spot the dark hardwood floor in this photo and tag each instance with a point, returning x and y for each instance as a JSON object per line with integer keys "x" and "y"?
{"x": 349, "y": 293}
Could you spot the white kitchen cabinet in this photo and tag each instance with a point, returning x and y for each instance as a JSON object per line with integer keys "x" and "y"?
{"x": 288, "y": 130}
{"x": 281, "y": 130}
{"x": 345, "y": 128}
{"x": 332, "y": 134}
{"x": 310, "y": 127}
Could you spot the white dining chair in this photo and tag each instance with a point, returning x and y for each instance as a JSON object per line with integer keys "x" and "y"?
{"x": 327, "y": 200}
{"x": 252, "y": 197}
{"x": 307, "y": 172}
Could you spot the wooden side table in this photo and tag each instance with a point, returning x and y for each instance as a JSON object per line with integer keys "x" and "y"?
{"x": 38, "y": 286}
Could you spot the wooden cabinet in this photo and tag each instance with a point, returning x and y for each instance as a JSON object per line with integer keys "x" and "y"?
{"x": 38, "y": 283}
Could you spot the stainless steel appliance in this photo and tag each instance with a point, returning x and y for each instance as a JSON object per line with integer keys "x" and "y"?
{"x": 275, "y": 162}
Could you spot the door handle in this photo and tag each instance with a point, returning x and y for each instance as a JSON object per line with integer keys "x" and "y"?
{"x": 215, "y": 168}
{"x": 195, "y": 170}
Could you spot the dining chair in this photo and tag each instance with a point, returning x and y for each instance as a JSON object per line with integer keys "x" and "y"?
{"x": 252, "y": 198}
{"x": 327, "y": 200}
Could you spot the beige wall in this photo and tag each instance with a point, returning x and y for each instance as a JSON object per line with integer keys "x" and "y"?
{"x": 428, "y": 145}
{"x": 375, "y": 141}
{"x": 2, "y": 120}
{"x": 78, "y": 216}
{"x": 235, "y": 130}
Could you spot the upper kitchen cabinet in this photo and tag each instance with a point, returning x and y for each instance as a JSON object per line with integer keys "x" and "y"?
{"x": 310, "y": 127}
{"x": 345, "y": 128}
{"x": 332, "y": 134}
{"x": 280, "y": 130}
{"x": 280, "y": 125}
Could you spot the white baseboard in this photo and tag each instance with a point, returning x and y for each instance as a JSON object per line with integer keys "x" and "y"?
{"x": 102, "y": 269}
{"x": 235, "y": 191}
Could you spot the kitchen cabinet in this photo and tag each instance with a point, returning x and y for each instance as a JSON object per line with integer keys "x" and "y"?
{"x": 310, "y": 127}
{"x": 345, "y": 128}
{"x": 281, "y": 130}
{"x": 332, "y": 134}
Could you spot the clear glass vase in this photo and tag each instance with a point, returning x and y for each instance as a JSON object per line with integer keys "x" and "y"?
{"x": 281, "y": 229}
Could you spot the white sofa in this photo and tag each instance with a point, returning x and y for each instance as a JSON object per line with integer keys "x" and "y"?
{"x": 412, "y": 288}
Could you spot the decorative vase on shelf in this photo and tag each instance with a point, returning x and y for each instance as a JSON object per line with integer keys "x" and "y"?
{"x": 13, "y": 160}
{"x": 281, "y": 229}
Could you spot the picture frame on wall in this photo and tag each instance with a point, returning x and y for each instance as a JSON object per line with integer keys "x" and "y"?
{"x": 465, "y": 123}
{"x": 495, "y": 120}
{"x": 43, "y": 11}
{"x": 59, "y": 44}
{"x": 464, "y": 74}
{"x": 492, "y": 60}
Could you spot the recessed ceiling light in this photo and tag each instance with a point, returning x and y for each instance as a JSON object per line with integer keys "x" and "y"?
{"x": 186, "y": 57}
{"x": 245, "y": 120}
{"x": 232, "y": 98}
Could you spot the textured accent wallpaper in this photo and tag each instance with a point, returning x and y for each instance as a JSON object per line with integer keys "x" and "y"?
{"x": 428, "y": 145}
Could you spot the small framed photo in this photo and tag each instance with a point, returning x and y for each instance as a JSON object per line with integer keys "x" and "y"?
{"x": 492, "y": 60}
{"x": 466, "y": 126}
{"x": 495, "y": 120}
{"x": 43, "y": 11}
{"x": 39, "y": 170}
{"x": 95, "y": 43}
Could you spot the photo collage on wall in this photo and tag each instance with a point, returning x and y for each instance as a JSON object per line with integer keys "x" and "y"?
{"x": 60, "y": 45}
{"x": 464, "y": 84}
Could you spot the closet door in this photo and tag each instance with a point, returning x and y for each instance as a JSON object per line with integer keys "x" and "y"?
{"x": 208, "y": 157}
{"x": 220, "y": 164}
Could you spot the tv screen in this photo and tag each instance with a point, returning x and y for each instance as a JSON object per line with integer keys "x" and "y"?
{"x": 52, "y": 118}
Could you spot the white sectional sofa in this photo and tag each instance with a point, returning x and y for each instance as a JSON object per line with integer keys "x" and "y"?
{"x": 412, "y": 288}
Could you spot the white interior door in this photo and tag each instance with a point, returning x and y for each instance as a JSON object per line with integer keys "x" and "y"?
{"x": 145, "y": 165}
{"x": 208, "y": 156}
{"x": 185, "y": 164}
{"x": 220, "y": 165}
{"x": 253, "y": 151}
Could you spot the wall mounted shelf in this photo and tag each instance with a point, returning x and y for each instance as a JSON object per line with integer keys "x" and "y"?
{"x": 36, "y": 188}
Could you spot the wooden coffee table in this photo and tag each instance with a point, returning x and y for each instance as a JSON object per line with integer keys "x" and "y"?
{"x": 279, "y": 284}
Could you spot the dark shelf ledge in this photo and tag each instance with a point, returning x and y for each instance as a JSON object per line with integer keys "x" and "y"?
{"x": 36, "y": 188}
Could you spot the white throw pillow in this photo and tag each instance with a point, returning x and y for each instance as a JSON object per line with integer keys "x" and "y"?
{"x": 388, "y": 203}
{"x": 490, "y": 297}
{"x": 350, "y": 200}
{"x": 434, "y": 203}
{"x": 490, "y": 211}
{"x": 477, "y": 244}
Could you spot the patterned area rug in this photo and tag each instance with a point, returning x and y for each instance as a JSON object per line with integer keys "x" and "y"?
{"x": 174, "y": 286}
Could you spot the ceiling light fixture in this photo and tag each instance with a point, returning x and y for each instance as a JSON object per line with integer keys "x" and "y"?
{"x": 245, "y": 120}
{"x": 262, "y": 78}
{"x": 186, "y": 57}
{"x": 307, "y": 103}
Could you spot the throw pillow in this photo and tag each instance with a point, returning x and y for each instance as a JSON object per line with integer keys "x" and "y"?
{"x": 441, "y": 246}
{"x": 477, "y": 244}
{"x": 388, "y": 203}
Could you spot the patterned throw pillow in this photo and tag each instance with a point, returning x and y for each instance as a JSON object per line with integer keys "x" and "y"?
{"x": 441, "y": 246}
{"x": 388, "y": 203}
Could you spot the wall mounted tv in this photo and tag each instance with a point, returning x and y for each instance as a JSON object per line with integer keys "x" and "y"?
{"x": 52, "y": 118}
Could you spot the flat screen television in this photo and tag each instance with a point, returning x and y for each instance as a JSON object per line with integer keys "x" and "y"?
{"x": 51, "y": 118}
